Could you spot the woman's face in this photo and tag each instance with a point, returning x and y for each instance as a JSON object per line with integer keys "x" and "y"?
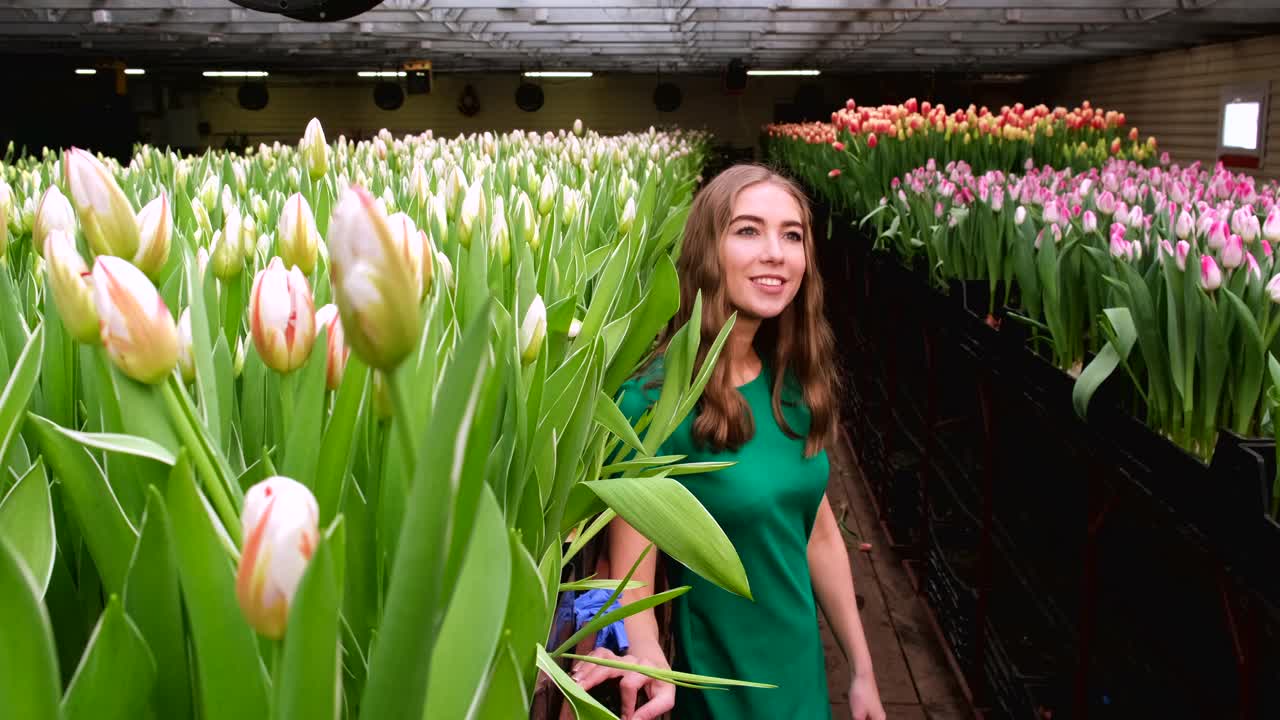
{"x": 762, "y": 251}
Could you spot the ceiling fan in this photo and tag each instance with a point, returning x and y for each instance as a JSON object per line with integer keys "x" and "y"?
{"x": 311, "y": 10}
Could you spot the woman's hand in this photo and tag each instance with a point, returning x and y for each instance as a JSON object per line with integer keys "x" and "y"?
{"x": 864, "y": 699}
{"x": 662, "y": 695}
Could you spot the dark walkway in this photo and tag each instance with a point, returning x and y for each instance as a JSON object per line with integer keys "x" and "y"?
{"x": 914, "y": 677}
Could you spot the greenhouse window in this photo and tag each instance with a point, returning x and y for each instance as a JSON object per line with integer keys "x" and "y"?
{"x": 1242, "y": 122}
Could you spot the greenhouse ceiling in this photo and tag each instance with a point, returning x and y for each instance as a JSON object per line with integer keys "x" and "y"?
{"x": 677, "y": 36}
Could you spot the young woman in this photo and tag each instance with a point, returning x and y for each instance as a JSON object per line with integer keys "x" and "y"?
{"x": 770, "y": 407}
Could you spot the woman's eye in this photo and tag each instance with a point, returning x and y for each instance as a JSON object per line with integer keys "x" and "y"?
{"x": 746, "y": 230}
{"x": 794, "y": 236}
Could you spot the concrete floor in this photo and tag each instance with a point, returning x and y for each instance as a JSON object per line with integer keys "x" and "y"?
{"x": 912, "y": 672}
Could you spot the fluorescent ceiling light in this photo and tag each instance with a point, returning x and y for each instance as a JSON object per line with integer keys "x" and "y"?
{"x": 558, "y": 74}
{"x": 134, "y": 71}
{"x": 235, "y": 73}
{"x": 86, "y": 71}
{"x": 381, "y": 73}
{"x": 772, "y": 73}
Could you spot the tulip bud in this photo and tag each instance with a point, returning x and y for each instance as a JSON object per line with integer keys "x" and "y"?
{"x": 1273, "y": 289}
{"x": 375, "y": 292}
{"x": 455, "y": 188}
{"x": 134, "y": 323}
{"x": 186, "y": 361}
{"x": 500, "y": 235}
{"x": 108, "y": 219}
{"x": 524, "y": 218}
{"x": 1210, "y": 275}
{"x": 1233, "y": 253}
{"x": 1120, "y": 248}
{"x": 408, "y": 240}
{"x": 1251, "y": 266}
{"x": 577, "y": 127}
{"x": 1180, "y": 252}
{"x": 446, "y": 268}
{"x": 1090, "y": 221}
{"x": 473, "y": 208}
{"x": 282, "y": 317}
{"x": 336, "y": 350}
{"x": 296, "y": 234}
{"x": 281, "y": 531}
{"x": 6, "y": 213}
{"x": 533, "y": 330}
{"x": 547, "y": 194}
{"x": 420, "y": 184}
{"x": 628, "y": 217}
{"x": 155, "y": 233}
{"x": 575, "y": 327}
{"x": 226, "y": 252}
{"x": 1019, "y": 215}
{"x": 237, "y": 364}
{"x": 52, "y": 213}
{"x": 72, "y": 291}
{"x": 1184, "y": 226}
{"x": 1271, "y": 228}
{"x": 314, "y": 150}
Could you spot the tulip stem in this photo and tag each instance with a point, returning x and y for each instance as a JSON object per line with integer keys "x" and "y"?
{"x": 401, "y": 420}
{"x": 212, "y": 482}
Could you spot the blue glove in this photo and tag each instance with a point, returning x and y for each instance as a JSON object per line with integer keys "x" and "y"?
{"x": 590, "y": 604}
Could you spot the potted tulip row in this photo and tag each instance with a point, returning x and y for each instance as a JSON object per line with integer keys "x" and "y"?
{"x": 324, "y": 422}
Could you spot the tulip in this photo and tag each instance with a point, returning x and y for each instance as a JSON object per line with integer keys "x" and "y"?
{"x": 1135, "y": 217}
{"x": 1120, "y": 248}
{"x": 455, "y": 188}
{"x": 533, "y": 330}
{"x": 420, "y": 183}
{"x": 282, "y": 317}
{"x": 314, "y": 150}
{"x": 135, "y": 325}
{"x": 1019, "y": 215}
{"x": 1210, "y": 275}
{"x": 577, "y": 127}
{"x": 155, "y": 233}
{"x": 1233, "y": 253}
{"x": 336, "y": 350}
{"x": 628, "y": 217}
{"x": 872, "y": 141}
{"x": 408, "y": 240}
{"x": 296, "y": 234}
{"x": 226, "y": 256}
{"x": 835, "y": 173}
{"x": 575, "y": 327}
{"x": 1266, "y": 249}
{"x": 375, "y": 292}
{"x": 547, "y": 194}
{"x": 52, "y": 213}
{"x": 1090, "y": 221}
{"x": 1249, "y": 228}
{"x": 72, "y": 291}
{"x": 500, "y": 234}
{"x": 1252, "y": 267}
{"x": 1106, "y": 202}
{"x": 202, "y": 260}
{"x": 1184, "y": 226}
{"x": 1218, "y": 235}
{"x": 473, "y": 208}
{"x": 108, "y": 219}
{"x": 186, "y": 361}
{"x": 237, "y": 365}
{"x": 1273, "y": 289}
{"x": 446, "y": 268}
{"x": 1271, "y": 228}
{"x": 6, "y": 212}
{"x": 1180, "y": 252}
{"x": 281, "y": 530}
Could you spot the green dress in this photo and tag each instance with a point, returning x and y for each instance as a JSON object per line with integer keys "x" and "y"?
{"x": 766, "y": 504}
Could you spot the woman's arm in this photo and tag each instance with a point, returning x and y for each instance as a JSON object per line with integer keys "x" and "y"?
{"x": 833, "y": 588}
{"x": 645, "y": 647}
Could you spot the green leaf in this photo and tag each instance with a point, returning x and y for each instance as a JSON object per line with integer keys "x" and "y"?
{"x": 231, "y": 680}
{"x": 1105, "y": 362}
{"x": 644, "y": 463}
{"x": 400, "y": 665}
{"x": 668, "y": 675}
{"x": 153, "y": 600}
{"x": 116, "y": 673}
{"x": 339, "y": 436}
{"x": 695, "y": 468}
{"x": 472, "y": 625}
{"x": 57, "y": 368}
{"x": 127, "y": 444}
{"x": 1250, "y": 380}
{"x": 202, "y": 304}
{"x": 26, "y": 521}
{"x": 583, "y": 585}
{"x": 94, "y": 507}
{"x": 608, "y": 414}
{"x": 585, "y": 707}
{"x": 29, "y": 683}
{"x": 505, "y": 696}
{"x": 311, "y": 669}
{"x": 17, "y": 391}
{"x": 306, "y": 419}
{"x": 665, "y": 512}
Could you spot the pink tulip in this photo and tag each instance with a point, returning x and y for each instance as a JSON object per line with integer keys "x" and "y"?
{"x": 1252, "y": 266}
{"x": 835, "y": 172}
{"x": 1106, "y": 203}
{"x": 1218, "y": 235}
{"x": 1090, "y": 221}
{"x": 1166, "y": 249}
{"x": 1180, "y": 253}
{"x": 839, "y": 146}
{"x": 282, "y": 317}
{"x": 1210, "y": 275}
{"x": 1271, "y": 228}
{"x": 281, "y": 530}
{"x": 1120, "y": 248}
{"x": 1273, "y": 289}
{"x": 1233, "y": 253}
{"x": 336, "y": 350}
{"x": 1184, "y": 226}
{"x": 1266, "y": 248}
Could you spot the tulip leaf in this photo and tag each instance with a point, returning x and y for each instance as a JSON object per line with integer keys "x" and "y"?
{"x": 400, "y": 664}
{"x": 694, "y": 468}
{"x": 339, "y": 436}
{"x": 29, "y": 682}
{"x": 13, "y": 329}
{"x": 126, "y": 444}
{"x": 584, "y": 706}
{"x": 311, "y": 669}
{"x": 1249, "y": 389}
{"x": 26, "y": 521}
{"x": 18, "y": 388}
{"x": 1106, "y": 361}
{"x": 666, "y": 513}
{"x": 224, "y": 375}
{"x": 610, "y": 416}
{"x": 116, "y": 674}
{"x": 231, "y": 680}
{"x": 604, "y": 296}
{"x": 472, "y": 625}
{"x": 700, "y": 682}
{"x": 583, "y": 585}
{"x": 142, "y": 409}
{"x": 152, "y": 597}
{"x": 107, "y": 531}
{"x": 306, "y": 416}
{"x": 641, "y": 463}
{"x": 202, "y": 302}
{"x": 57, "y": 367}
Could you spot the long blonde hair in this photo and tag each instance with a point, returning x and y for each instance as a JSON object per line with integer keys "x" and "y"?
{"x": 799, "y": 340}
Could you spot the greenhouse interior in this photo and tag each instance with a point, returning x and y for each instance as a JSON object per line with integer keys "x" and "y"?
{"x": 552, "y": 359}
